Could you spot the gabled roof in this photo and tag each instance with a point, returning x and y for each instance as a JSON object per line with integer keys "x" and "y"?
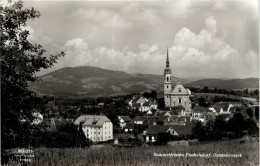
{"x": 129, "y": 126}
{"x": 182, "y": 129}
{"x": 136, "y": 105}
{"x": 233, "y": 109}
{"x": 200, "y": 109}
{"x": 125, "y": 118}
{"x": 160, "y": 113}
{"x": 178, "y": 87}
{"x": 156, "y": 129}
{"x": 139, "y": 118}
{"x": 146, "y": 103}
{"x": 224, "y": 116}
{"x": 164, "y": 118}
{"x": 92, "y": 120}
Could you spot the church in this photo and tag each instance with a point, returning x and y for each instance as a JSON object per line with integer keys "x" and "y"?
{"x": 175, "y": 96}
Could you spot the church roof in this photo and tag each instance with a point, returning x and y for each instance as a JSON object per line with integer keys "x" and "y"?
{"x": 178, "y": 87}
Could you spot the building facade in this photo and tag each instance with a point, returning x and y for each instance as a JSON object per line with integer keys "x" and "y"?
{"x": 177, "y": 95}
{"x": 95, "y": 127}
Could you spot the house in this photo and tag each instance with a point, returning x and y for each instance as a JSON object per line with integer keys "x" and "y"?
{"x": 142, "y": 104}
{"x": 139, "y": 120}
{"x": 226, "y": 117}
{"x": 149, "y": 112}
{"x": 198, "y": 111}
{"x": 123, "y": 120}
{"x": 176, "y": 120}
{"x": 137, "y": 106}
{"x": 129, "y": 127}
{"x": 160, "y": 113}
{"x": 177, "y": 130}
{"x": 226, "y": 107}
{"x": 54, "y": 123}
{"x": 101, "y": 105}
{"x": 37, "y": 118}
{"x": 96, "y": 127}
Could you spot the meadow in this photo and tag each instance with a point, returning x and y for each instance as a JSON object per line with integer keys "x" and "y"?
{"x": 142, "y": 156}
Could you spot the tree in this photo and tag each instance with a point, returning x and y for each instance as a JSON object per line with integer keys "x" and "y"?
{"x": 198, "y": 131}
{"x": 20, "y": 60}
{"x": 250, "y": 112}
{"x": 161, "y": 103}
{"x": 236, "y": 125}
{"x": 163, "y": 138}
{"x": 202, "y": 102}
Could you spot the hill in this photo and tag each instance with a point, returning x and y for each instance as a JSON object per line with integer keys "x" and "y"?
{"x": 226, "y": 84}
{"x": 87, "y": 81}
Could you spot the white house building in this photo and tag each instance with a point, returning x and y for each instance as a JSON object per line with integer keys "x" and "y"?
{"x": 96, "y": 127}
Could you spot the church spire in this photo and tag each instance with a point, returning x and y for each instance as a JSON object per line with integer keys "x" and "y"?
{"x": 167, "y": 59}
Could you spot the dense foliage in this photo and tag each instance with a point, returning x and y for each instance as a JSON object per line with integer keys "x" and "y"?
{"x": 20, "y": 60}
{"x": 218, "y": 129}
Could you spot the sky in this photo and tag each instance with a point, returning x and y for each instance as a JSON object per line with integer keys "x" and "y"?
{"x": 211, "y": 39}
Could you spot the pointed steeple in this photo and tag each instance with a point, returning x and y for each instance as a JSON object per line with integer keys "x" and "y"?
{"x": 167, "y": 59}
{"x": 167, "y": 69}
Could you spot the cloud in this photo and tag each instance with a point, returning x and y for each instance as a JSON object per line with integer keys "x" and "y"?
{"x": 205, "y": 53}
{"x": 76, "y": 43}
{"x": 192, "y": 55}
{"x": 205, "y": 38}
{"x": 179, "y": 8}
{"x": 93, "y": 14}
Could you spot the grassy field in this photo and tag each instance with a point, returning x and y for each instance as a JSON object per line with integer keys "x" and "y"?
{"x": 142, "y": 156}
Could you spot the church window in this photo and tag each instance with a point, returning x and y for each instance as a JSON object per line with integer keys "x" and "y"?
{"x": 179, "y": 100}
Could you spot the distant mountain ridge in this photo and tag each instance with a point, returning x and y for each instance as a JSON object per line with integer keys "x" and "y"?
{"x": 87, "y": 81}
{"x": 226, "y": 84}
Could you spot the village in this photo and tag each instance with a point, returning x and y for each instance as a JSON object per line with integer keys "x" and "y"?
{"x": 145, "y": 118}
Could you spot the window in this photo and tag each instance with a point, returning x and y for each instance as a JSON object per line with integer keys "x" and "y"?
{"x": 179, "y": 90}
{"x": 167, "y": 78}
{"x": 179, "y": 100}
{"x": 167, "y": 87}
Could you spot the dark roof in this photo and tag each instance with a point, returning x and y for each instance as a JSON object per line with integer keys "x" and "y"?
{"x": 125, "y": 118}
{"x": 233, "y": 109}
{"x": 224, "y": 116}
{"x": 160, "y": 113}
{"x": 156, "y": 129}
{"x": 200, "y": 109}
{"x": 164, "y": 118}
{"x": 129, "y": 126}
{"x": 182, "y": 129}
{"x": 146, "y": 103}
{"x": 140, "y": 118}
{"x": 136, "y": 105}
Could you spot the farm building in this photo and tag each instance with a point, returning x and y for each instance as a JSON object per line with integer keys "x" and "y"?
{"x": 96, "y": 127}
{"x": 123, "y": 120}
{"x": 177, "y": 130}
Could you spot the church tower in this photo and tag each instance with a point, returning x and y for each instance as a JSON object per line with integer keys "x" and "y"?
{"x": 167, "y": 82}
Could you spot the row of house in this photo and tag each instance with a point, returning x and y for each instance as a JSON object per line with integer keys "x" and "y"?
{"x": 224, "y": 109}
{"x": 143, "y": 104}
